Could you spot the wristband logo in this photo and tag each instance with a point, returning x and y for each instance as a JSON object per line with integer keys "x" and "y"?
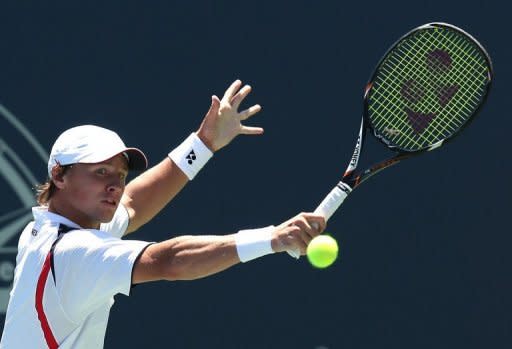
{"x": 191, "y": 157}
{"x": 19, "y": 149}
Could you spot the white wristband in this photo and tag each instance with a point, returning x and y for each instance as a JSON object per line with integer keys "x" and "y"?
{"x": 254, "y": 243}
{"x": 191, "y": 155}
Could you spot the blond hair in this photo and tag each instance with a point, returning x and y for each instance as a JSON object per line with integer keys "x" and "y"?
{"x": 45, "y": 191}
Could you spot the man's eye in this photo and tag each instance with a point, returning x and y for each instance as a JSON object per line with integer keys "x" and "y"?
{"x": 101, "y": 171}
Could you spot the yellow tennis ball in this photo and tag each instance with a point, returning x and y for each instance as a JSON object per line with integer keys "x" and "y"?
{"x": 322, "y": 251}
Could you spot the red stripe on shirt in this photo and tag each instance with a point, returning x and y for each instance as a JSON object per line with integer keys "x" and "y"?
{"x": 43, "y": 277}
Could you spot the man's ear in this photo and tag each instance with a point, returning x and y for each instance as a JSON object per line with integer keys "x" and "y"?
{"x": 58, "y": 177}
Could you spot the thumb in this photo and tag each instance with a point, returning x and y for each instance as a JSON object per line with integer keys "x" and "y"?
{"x": 214, "y": 107}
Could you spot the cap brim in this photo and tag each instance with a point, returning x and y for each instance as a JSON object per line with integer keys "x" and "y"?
{"x": 137, "y": 160}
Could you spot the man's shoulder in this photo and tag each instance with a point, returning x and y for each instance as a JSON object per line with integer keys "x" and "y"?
{"x": 84, "y": 238}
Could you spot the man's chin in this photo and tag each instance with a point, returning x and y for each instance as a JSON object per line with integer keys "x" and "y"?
{"x": 107, "y": 219}
{"x": 108, "y": 215}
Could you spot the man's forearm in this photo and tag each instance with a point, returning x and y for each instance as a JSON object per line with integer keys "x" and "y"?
{"x": 186, "y": 258}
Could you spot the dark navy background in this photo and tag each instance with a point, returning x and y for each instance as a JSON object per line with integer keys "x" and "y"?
{"x": 425, "y": 259}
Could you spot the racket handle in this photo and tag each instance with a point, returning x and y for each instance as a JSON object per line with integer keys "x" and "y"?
{"x": 333, "y": 200}
{"x": 328, "y": 206}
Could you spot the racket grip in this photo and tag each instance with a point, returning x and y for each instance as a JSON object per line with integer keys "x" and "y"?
{"x": 328, "y": 206}
{"x": 333, "y": 200}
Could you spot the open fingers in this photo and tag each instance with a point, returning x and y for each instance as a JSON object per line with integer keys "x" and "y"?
{"x": 244, "y": 115}
{"x": 247, "y": 113}
{"x": 232, "y": 89}
{"x": 240, "y": 96}
{"x": 249, "y": 130}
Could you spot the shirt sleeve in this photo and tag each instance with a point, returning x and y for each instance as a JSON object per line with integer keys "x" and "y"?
{"x": 91, "y": 267}
{"x": 119, "y": 223}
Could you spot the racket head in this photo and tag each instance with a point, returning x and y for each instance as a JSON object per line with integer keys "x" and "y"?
{"x": 427, "y": 87}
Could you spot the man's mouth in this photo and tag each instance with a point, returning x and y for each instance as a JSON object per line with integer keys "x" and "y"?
{"x": 111, "y": 202}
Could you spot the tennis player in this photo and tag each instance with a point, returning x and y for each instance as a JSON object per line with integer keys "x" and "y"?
{"x": 71, "y": 259}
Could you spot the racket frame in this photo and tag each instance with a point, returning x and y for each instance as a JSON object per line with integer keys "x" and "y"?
{"x": 351, "y": 178}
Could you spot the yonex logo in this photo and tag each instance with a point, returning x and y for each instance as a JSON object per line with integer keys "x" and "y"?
{"x": 438, "y": 63}
{"x": 191, "y": 157}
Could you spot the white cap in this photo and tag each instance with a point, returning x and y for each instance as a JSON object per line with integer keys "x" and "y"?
{"x": 89, "y": 144}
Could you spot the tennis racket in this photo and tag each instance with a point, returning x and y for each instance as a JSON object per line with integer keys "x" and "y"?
{"x": 425, "y": 90}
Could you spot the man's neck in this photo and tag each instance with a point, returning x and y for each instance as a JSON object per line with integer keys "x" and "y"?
{"x": 65, "y": 210}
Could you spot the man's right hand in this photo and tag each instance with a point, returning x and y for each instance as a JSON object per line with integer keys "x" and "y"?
{"x": 296, "y": 233}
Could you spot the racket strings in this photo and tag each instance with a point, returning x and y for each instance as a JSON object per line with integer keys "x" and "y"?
{"x": 427, "y": 87}
{"x": 432, "y": 85}
{"x": 460, "y": 110}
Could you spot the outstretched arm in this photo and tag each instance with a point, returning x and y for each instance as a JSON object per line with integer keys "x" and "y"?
{"x": 150, "y": 192}
{"x": 194, "y": 257}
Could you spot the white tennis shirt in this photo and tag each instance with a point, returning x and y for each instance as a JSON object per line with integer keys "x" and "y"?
{"x": 61, "y": 296}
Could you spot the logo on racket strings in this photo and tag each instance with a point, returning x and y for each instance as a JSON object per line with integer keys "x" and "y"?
{"x": 438, "y": 63}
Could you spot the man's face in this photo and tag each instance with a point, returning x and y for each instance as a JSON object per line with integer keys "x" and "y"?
{"x": 92, "y": 192}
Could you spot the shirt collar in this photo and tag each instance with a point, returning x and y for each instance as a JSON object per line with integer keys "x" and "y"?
{"x": 41, "y": 215}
